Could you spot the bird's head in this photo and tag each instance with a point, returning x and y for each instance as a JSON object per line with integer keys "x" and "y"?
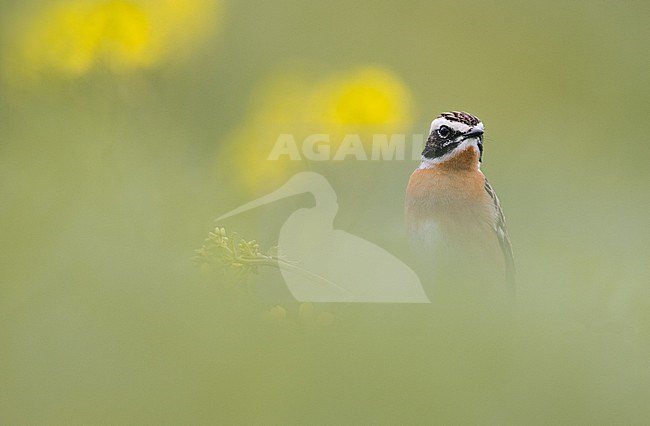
{"x": 451, "y": 133}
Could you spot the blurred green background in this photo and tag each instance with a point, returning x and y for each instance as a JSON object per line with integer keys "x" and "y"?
{"x": 127, "y": 127}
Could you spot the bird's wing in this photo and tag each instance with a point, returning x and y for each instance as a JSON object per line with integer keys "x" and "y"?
{"x": 504, "y": 240}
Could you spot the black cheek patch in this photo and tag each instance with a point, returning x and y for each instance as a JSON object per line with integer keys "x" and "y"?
{"x": 436, "y": 147}
{"x": 438, "y": 150}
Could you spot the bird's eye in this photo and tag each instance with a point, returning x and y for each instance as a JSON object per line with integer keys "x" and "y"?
{"x": 444, "y": 132}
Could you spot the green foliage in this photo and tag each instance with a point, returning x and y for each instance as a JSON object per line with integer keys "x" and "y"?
{"x": 231, "y": 252}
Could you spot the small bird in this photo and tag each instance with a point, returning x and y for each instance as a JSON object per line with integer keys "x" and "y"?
{"x": 453, "y": 216}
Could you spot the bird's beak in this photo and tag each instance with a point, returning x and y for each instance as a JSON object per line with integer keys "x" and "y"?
{"x": 266, "y": 199}
{"x": 294, "y": 186}
{"x": 474, "y": 132}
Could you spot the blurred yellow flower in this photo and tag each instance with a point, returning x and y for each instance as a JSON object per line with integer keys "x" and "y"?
{"x": 361, "y": 101}
{"x": 370, "y": 96}
{"x": 70, "y": 38}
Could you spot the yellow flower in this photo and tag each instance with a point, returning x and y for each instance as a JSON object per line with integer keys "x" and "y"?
{"x": 124, "y": 35}
{"x": 363, "y": 98}
{"x": 363, "y": 101}
{"x": 71, "y": 38}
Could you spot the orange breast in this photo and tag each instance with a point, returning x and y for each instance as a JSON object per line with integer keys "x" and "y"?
{"x": 450, "y": 218}
{"x": 450, "y": 197}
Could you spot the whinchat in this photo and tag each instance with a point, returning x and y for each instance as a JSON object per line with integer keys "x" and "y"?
{"x": 449, "y": 202}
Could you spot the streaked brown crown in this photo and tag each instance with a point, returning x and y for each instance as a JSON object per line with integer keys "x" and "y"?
{"x": 461, "y": 116}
